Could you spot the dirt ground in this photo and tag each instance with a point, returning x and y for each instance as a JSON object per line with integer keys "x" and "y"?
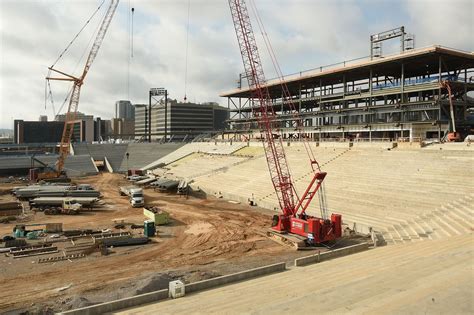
{"x": 207, "y": 238}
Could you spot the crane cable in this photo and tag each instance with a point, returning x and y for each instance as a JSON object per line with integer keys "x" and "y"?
{"x": 48, "y": 92}
{"x": 186, "y": 58}
{"x": 323, "y": 204}
{"x": 77, "y": 35}
{"x": 130, "y": 45}
{"x": 277, "y": 68}
{"x": 131, "y": 39}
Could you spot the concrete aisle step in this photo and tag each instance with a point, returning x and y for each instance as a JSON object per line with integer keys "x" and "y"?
{"x": 438, "y": 231}
{"x": 458, "y": 224}
{"x": 397, "y": 239}
{"x": 388, "y": 237}
{"x": 410, "y": 231}
{"x": 427, "y": 228}
{"x": 402, "y": 232}
{"x": 419, "y": 230}
{"x": 467, "y": 225}
{"x": 464, "y": 207}
{"x": 449, "y": 230}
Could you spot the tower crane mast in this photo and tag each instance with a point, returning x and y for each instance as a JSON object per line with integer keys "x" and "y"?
{"x": 77, "y": 83}
{"x": 293, "y": 218}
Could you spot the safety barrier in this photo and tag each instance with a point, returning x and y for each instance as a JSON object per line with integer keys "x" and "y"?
{"x": 319, "y": 257}
{"x": 163, "y": 294}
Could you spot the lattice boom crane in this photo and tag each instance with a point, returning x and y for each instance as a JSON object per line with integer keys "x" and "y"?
{"x": 77, "y": 83}
{"x": 293, "y": 219}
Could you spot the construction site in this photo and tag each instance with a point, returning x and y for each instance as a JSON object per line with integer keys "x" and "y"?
{"x": 343, "y": 189}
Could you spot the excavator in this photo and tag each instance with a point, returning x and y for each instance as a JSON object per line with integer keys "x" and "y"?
{"x": 293, "y": 226}
{"x": 70, "y": 118}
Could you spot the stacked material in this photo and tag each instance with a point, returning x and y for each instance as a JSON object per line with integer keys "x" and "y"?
{"x": 34, "y": 191}
{"x": 146, "y": 181}
{"x": 10, "y": 208}
{"x": 58, "y": 201}
{"x": 165, "y": 184}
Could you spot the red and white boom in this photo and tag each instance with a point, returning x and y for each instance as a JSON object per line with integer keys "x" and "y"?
{"x": 316, "y": 230}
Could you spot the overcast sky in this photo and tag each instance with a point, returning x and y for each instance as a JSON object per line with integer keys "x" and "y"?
{"x": 305, "y": 34}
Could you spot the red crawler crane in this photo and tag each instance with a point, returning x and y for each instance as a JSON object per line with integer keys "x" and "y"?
{"x": 293, "y": 218}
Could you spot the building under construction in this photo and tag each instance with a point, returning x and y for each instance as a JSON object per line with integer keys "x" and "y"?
{"x": 391, "y": 97}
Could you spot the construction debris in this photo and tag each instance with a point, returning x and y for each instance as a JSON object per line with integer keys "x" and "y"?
{"x": 60, "y": 258}
{"x": 125, "y": 242}
{"x": 157, "y": 215}
{"x": 33, "y": 251}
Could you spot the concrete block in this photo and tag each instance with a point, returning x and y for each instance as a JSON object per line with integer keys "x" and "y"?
{"x": 120, "y": 304}
{"x": 163, "y": 294}
{"x": 330, "y": 144}
{"x": 239, "y": 276}
{"x": 331, "y": 254}
{"x": 374, "y": 145}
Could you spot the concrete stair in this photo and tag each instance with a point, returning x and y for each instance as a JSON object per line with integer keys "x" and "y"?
{"x": 405, "y": 195}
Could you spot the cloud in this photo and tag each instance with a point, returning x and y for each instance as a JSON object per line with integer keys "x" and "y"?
{"x": 305, "y": 34}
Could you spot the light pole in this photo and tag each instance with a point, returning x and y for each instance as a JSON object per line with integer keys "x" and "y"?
{"x": 159, "y": 92}
{"x": 128, "y": 155}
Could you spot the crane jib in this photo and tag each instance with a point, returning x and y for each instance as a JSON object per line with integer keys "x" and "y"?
{"x": 73, "y": 105}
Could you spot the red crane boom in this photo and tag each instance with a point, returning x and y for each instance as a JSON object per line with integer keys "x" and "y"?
{"x": 313, "y": 229}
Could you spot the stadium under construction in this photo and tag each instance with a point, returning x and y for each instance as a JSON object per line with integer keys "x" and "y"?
{"x": 221, "y": 217}
{"x": 383, "y": 97}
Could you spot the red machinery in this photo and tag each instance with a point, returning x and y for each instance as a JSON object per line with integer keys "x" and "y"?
{"x": 452, "y": 135}
{"x": 293, "y": 218}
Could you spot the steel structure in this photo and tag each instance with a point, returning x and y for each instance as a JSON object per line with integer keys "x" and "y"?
{"x": 293, "y": 218}
{"x": 398, "y": 96}
{"x": 77, "y": 83}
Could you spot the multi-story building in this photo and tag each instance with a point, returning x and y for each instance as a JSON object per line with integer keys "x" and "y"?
{"x": 123, "y": 128}
{"x": 183, "y": 120}
{"x": 83, "y": 127}
{"x": 141, "y": 121}
{"x": 102, "y": 129}
{"x": 399, "y": 95}
{"x": 37, "y": 131}
{"x": 123, "y": 125}
{"x": 124, "y": 110}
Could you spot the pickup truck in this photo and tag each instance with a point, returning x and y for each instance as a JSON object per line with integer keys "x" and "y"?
{"x": 135, "y": 194}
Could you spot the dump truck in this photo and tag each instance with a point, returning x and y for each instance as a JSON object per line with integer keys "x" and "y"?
{"x": 135, "y": 194}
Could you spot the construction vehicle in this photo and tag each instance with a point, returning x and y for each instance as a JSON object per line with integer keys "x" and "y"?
{"x": 44, "y": 202}
{"x": 70, "y": 118}
{"x": 21, "y": 230}
{"x": 135, "y": 194}
{"x": 453, "y": 135}
{"x": 44, "y": 172}
{"x": 68, "y": 207}
{"x": 293, "y": 226}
